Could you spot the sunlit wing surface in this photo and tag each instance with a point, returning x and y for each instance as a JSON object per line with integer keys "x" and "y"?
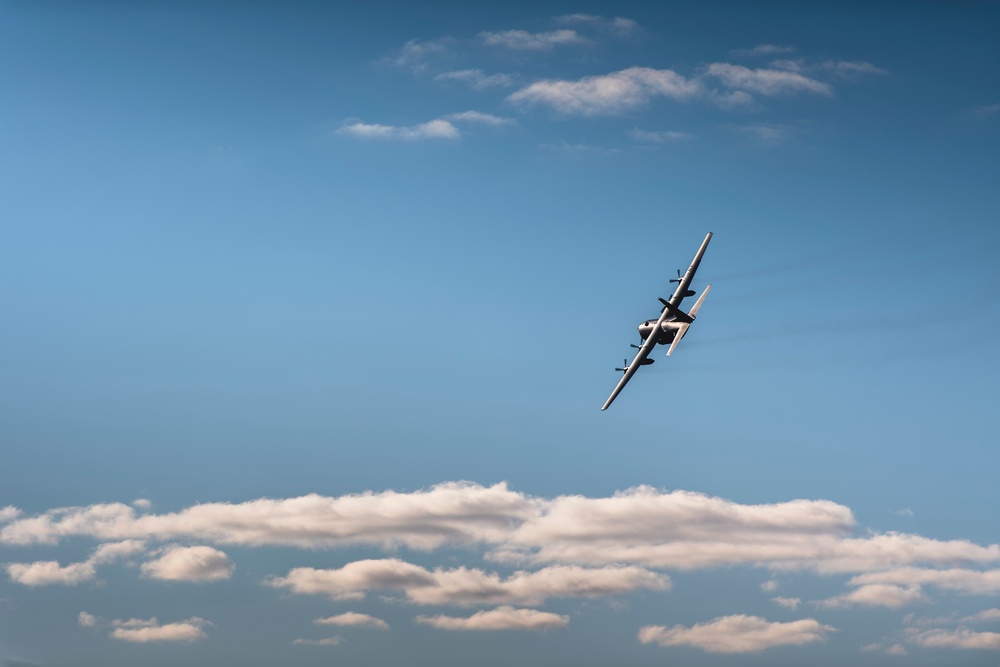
{"x": 676, "y": 321}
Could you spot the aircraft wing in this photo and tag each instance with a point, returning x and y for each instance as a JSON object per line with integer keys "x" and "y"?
{"x": 640, "y": 357}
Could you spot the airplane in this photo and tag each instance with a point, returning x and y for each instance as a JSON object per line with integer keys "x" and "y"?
{"x": 671, "y": 326}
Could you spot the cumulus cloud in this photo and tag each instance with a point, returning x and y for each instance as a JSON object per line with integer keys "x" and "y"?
{"x": 501, "y": 618}
{"x": 522, "y": 40}
{"x": 142, "y": 503}
{"x": 86, "y": 620}
{"x": 607, "y": 94}
{"x": 435, "y": 129}
{"x": 142, "y": 631}
{"x": 960, "y": 638}
{"x": 47, "y": 573}
{"x": 768, "y": 82}
{"x": 737, "y": 634}
{"x": 769, "y": 586}
{"x": 354, "y": 619}
{"x": 198, "y": 563}
{"x": 877, "y": 595}
{"x": 9, "y": 513}
{"x": 643, "y": 526}
{"x": 476, "y": 79}
{"x": 468, "y": 586}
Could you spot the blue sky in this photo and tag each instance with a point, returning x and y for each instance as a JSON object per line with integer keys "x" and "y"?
{"x": 309, "y": 311}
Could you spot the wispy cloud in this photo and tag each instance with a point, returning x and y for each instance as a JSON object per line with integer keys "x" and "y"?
{"x": 501, "y": 618}
{"x": 325, "y": 641}
{"x": 607, "y": 94}
{"x": 477, "y": 79}
{"x": 480, "y": 118}
{"x": 973, "y": 582}
{"x": 435, "y": 129}
{"x": 763, "y": 50}
{"x": 987, "y": 110}
{"x": 414, "y": 54}
{"x": 617, "y": 26}
{"x": 959, "y": 638}
{"x": 877, "y": 595}
{"x": 768, "y": 82}
{"x": 198, "y": 563}
{"x": 522, "y": 40}
{"x": 658, "y": 136}
{"x": 787, "y": 603}
{"x": 354, "y": 619}
{"x": 737, "y": 634}
{"x": 143, "y": 631}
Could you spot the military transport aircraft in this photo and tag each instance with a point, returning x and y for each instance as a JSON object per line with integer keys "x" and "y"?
{"x": 670, "y": 327}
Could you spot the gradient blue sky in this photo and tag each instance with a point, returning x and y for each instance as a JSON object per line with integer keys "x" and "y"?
{"x": 389, "y": 254}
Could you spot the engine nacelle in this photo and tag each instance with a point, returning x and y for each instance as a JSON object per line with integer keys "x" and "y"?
{"x": 647, "y": 361}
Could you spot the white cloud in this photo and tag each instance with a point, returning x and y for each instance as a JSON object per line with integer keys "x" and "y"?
{"x": 522, "y": 40}
{"x": 86, "y": 620}
{"x": 469, "y": 586}
{"x": 877, "y": 595}
{"x": 142, "y": 631}
{"x": 415, "y": 52}
{"x": 46, "y": 573}
{"x": 769, "y": 82}
{"x": 480, "y": 117}
{"x": 658, "y": 136}
{"x": 906, "y": 511}
{"x": 608, "y": 94}
{"x": 9, "y": 513}
{"x": 769, "y": 586}
{"x": 435, "y": 129}
{"x": 353, "y": 618}
{"x": 199, "y": 563}
{"x": 763, "y": 50}
{"x": 477, "y": 79}
{"x": 642, "y": 526}
{"x": 960, "y": 638}
{"x": 788, "y": 603}
{"x": 49, "y": 572}
{"x": 851, "y": 69}
{"x": 972, "y": 582}
{"x": 501, "y": 618}
{"x": 326, "y": 641}
{"x": 142, "y": 503}
{"x": 449, "y": 513}
{"x": 737, "y": 634}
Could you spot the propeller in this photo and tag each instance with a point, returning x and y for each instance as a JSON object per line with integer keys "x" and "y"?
{"x": 625, "y": 364}
{"x": 678, "y": 278}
